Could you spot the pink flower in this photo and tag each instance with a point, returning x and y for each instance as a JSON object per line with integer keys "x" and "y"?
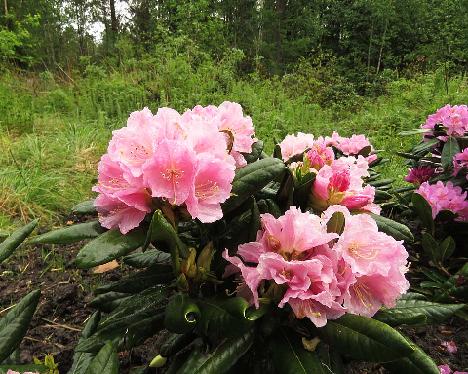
{"x": 170, "y": 173}
{"x": 212, "y": 186}
{"x": 114, "y": 213}
{"x": 320, "y": 155}
{"x": 445, "y": 369}
{"x": 450, "y": 346}
{"x": 342, "y": 183}
{"x": 454, "y": 119}
{"x": 460, "y": 161}
{"x": 293, "y": 145}
{"x": 419, "y": 175}
{"x": 351, "y": 146}
{"x": 134, "y": 144}
{"x": 445, "y": 197}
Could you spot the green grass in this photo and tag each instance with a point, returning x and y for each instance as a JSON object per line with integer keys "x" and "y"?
{"x": 52, "y": 133}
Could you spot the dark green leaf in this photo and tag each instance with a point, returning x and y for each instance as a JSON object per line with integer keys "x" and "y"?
{"x": 148, "y": 258}
{"x": 251, "y": 179}
{"x": 140, "y": 281}
{"x": 290, "y": 357}
{"x": 86, "y": 207}
{"x": 106, "y": 361}
{"x": 15, "y": 324}
{"x": 423, "y": 210}
{"x": 424, "y": 147}
{"x": 416, "y": 363}
{"x": 81, "y": 360}
{"x": 71, "y": 234}
{"x": 365, "y": 339}
{"x": 254, "y": 224}
{"x": 336, "y": 223}
{"x": 407, "y": 311}
{"x": 366, "y": 151}
{"x": 109, "y": 246}
{"x": 107, "y": 302}
{"x": 221, "y": 359}
{"x": 395, "y": 229}
{"x": 447, "y": 247}
{"x": 430, "y": 246}
{"x": 182, "y": 314}
{"x": 381, "y": 182}
{"x": 450, "y": 149}
{"x": 175, "y": 343}
{"x": 253, "y": 156}
{"x": 8, "y": 246}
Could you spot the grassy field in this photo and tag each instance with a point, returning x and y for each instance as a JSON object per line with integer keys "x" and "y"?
{"x": 53, "y": 130}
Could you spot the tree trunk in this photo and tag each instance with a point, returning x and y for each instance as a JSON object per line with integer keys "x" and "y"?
{"x": 114, "y": 22}
{"x": 369, "y": 50}
{"x": 5, "y": 4}
{"x": 381, "y": 47}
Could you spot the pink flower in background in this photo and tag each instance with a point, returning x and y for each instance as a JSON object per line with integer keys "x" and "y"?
{"x": 293, "y": 145}
{"x": 454, "y": 119}
{"x": 450, "y": 346}
{"x": 320, "y": 155}
{"x": 419, "y": 175}
{"x": 445, "y": 369}
{"x": 324, "y": 275}
{"x": 445, "y": 197}
{"x": 342, "y": 184}
{"x": 352, "y": 146}
{"x": 460, "y": 161}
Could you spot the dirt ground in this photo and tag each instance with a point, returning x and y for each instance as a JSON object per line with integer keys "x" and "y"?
{"x": 63, "y": 310}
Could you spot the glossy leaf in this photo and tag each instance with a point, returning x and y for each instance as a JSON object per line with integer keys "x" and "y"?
{"x": 336, "y": 223}
{"x": 251, "y": 179}
{"x": 451, "y": 148}
{"x": 9, "y": 245}
{"x": 106, "y": 361}
{"x": 71, "y": 234}
{"x": 365, "y": 339}
{"x": 86, "y": 207}
{"x": 107, "y": 302}
{"x": 416, "y": 363}
{"x": 423, "y": 210}
{"x": 395, "y": 229}
{"x": 107, "y": 247}
{"x": 430, "y": 246}
{"x": 446, "y": 248}
{"x": 174, "y": 343}
{"x": 81, "y": 360}
{"x": 221, "y": 359}
{"x": 407, "y": 310}
{"x": 15, "y": 324}
{"x": 182, "y": 314}
{"x": 257, "y": 149}
{"x": 290, "y": 357}
{"x": 147, "y": 258}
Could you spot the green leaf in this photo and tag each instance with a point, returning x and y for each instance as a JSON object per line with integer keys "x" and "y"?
{"x": 8, "y": 246}
{"x": 71, "y": 234}
{"x": 365, "y": 339}
{"x": 106, "y": 361}
{"x": 336, "y": 223}
{"x": 86, "y": 207}
{"x": 366, "y": 151}
{"x": 182, "y": 314}
{"x": 395, "y": 229}
{"x": 15, "y": 324}
{"x": 424, "y": 147}
{"x": 412, "y": 132}
{"x": 430, "y": 246}
{"x": 290, "y": 357}
{"x": 254, "y": 224}
{"x": 451, "y": 148}
{"x": 81, "y": 360}
{"x": 408, "y": 311}
{"x": 446, "y": 248}
{"x": 423, "y": 210}
{"x": 252, "y": 178}
{"x": 107, "y": 247}
{"x": 228, "y": 317}
{"x": 257, "y": 149}
{"x": 139, "y": 281}
{"x": 381, "y": 196}
{"x": 381, "y": 182}
{"x": 147, "y": 259}
{"x": 107, "y": 302}
{"x": 302, "y": 190}
{"x": 221, "y": 359}
{"x": 175, "y": 343}
{"x": 416, "y": 363}
{"x": 163, "y": 232}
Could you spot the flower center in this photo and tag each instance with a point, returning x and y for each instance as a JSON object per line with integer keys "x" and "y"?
{"x": 358, "y": 251}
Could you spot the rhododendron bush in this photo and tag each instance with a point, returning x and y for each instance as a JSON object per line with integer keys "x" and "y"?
{"x": 245, "y": 261}
{"x": 438, "y": 202}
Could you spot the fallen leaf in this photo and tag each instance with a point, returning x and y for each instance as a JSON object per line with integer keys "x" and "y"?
{"x": 108, "y": 266}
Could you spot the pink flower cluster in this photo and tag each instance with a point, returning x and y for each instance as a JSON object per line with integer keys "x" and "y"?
{"x": 454, "y": 119}
{"x": 445, "y": 369}
{"x": 185, "y": 160}
{"x": 445, "y": 197}
{"x": 341, "y": 183}
{"x": 320, "y": 150}
{"x": 322, "y": 275}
